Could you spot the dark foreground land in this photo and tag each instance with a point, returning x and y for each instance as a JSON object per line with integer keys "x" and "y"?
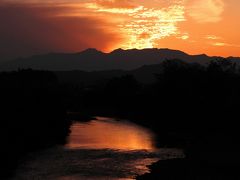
{"x": 32, "y": 116}
{"x": 183, "y": 169}
{"x": 189, "y": 106}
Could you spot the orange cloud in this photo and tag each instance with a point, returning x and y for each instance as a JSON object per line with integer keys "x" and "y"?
{"x": 205, "y": 11}
{"x": 115, "y": 3}
{"x": 141, "y": 25}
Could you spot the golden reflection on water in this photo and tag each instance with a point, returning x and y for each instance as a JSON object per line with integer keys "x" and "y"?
{"x": 102, "y": 149}
{"x": 107, "y": 133}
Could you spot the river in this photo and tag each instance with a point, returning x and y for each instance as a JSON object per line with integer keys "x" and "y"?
{"x": 101, "y": 149}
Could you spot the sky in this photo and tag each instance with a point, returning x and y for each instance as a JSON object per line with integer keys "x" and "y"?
{"x": 29, "y": 27}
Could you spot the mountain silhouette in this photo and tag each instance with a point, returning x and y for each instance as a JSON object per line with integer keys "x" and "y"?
{"x": 94, "y": 60}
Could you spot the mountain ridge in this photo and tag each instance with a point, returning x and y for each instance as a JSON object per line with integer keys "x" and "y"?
{"x": 94, "y": 60}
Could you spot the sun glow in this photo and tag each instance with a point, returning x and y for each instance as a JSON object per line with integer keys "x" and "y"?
{"x": 143, "y": 26}
{"x": 150, "y": 25}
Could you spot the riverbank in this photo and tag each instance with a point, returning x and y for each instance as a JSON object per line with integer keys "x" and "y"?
{"x": 79, "y": 116}
{"x": 33, "y": 116}
{"x": 184, "y": 169}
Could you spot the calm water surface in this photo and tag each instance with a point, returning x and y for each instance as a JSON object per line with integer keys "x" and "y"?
{"x": 107, "y": 133}
{"x": 102, "y": 149}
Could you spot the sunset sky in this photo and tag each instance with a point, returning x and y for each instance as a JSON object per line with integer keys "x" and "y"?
{"x": 195, "y": 26}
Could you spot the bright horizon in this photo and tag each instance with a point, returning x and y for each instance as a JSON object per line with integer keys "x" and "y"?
{"x": 194, "y": 26}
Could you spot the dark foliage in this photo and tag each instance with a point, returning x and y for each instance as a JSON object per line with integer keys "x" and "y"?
{"x": 32, "y": 115}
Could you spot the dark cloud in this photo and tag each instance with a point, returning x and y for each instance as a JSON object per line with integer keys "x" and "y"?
{"x": 27, "y": 30}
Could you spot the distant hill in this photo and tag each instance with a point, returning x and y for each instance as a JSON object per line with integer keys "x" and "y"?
{"x": 145, "y": 74}
{"x": 94, "y": 60}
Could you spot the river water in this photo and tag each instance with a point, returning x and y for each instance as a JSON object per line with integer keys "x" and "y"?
{"x": 102, "y": 149}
